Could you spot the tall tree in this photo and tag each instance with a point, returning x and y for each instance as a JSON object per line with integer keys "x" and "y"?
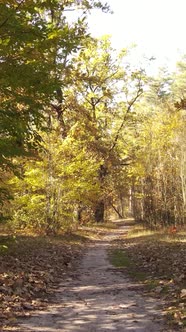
{"x": 158, "y": 183}
{"x": 104, "y": 92}
{"x": 36, "y": 40}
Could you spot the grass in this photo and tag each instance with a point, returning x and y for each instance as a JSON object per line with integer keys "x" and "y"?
{"x": 118, "y": 258}
{"x": 105, "y": 225}
{"x": 157, "y": 259}
{"x": 153, "y": 258}
{"x": 140, "y": 230}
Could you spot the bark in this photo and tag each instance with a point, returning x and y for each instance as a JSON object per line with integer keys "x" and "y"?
{"x": 80, "y": 211}
{"x": 100, "y": 206}
{"x": 99, "y": 211}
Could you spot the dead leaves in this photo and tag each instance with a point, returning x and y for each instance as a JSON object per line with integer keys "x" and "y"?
{"x": 164, "y": 266}
{"x": 183, "y": 294}
{"x": 30, "y": 271}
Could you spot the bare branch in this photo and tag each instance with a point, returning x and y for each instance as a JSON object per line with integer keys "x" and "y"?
{"x": 131, "y": 103}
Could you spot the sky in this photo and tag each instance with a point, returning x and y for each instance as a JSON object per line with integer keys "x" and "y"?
{"x": 158, "y": 27}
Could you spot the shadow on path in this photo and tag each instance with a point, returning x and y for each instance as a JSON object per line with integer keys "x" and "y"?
{"x": 98, "y": 299}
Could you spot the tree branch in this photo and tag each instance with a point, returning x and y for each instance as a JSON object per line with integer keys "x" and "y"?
{"x": 6, "y": 20}
{"x": 116, "y": 210}
{"x": 139, "y": 93}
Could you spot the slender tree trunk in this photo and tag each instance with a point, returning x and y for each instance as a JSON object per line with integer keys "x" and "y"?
{"x": 48, "y": 219}
{"x": 100, "y": 206}
{"x": 183, "y": 180}
{"x": 117, "y": 211}
{"x": 122, "y": 203}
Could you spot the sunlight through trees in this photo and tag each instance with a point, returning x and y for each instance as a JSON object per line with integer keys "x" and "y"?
{"x": 84, "y": 134}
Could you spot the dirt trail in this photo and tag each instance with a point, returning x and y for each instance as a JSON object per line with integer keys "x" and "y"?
{"x": 98, "y": 299}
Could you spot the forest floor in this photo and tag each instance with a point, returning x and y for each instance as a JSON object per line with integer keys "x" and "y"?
{"x": 118, "y": 278}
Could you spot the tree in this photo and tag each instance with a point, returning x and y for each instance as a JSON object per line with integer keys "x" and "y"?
{"x": 36, "y": 42}
{"x": 157, "y": 185}
{"x": 84, "y": 151}
{"x": 104, "y": 92}
{"x": 179, "y": 99}
{"x": 55, "y": 185}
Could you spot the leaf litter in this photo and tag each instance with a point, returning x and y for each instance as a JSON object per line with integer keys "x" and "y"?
{"x": 31, "y": 268}
{"x": 158, "y": 261}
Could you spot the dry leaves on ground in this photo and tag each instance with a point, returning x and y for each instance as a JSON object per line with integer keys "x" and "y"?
{"x": 30, "y": 269}
{"x": 160, "y": 262}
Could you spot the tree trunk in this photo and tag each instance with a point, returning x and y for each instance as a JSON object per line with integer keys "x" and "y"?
{"x": 99, "y": 211}
{"x": 100, "y": 206}
{"x": 117, "y": 211}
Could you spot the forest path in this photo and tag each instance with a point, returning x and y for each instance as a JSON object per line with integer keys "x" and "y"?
{"x": 98, "y": 298}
